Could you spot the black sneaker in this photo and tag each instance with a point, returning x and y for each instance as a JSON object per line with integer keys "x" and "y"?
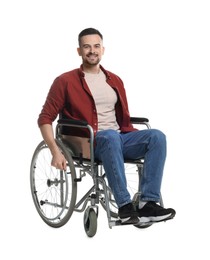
{"x": 128, "y": 214}
{"x": 152, "y": 212}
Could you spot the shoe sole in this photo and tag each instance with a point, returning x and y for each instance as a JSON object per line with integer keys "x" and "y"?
{"x": 155, "y": 219}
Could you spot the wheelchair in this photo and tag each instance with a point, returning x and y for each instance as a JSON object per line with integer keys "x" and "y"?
{"x": 83, "y": 186}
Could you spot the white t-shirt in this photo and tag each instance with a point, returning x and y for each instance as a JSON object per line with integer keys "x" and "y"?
{"x": 105, "y": 99}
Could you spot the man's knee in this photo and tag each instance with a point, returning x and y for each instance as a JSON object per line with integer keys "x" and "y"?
{"x": 158, "y": 136}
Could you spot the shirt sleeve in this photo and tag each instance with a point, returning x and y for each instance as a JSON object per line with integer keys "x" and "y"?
{"x": 54, "y": 102}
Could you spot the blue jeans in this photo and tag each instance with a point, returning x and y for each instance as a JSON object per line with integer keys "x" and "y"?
{"x": 112, "y": 147}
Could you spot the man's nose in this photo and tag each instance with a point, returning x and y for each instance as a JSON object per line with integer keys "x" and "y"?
{"x": 92, "y": 50}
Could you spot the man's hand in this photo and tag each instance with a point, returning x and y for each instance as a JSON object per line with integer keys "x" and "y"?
{"x": 59, "y": 161}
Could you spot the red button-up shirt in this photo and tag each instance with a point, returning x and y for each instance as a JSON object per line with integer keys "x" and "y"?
{"x": 70, "y": 97}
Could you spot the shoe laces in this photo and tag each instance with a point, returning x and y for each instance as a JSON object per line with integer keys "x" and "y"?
{"x": 154, "y": 204}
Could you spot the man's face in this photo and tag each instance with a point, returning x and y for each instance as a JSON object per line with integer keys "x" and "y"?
{"x": 91, "y": 49}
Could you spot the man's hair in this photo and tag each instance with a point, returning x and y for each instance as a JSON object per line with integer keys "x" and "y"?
{"x": 88, "y": 31}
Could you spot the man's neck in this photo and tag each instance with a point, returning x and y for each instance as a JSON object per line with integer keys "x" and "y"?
{"x": 91, "y": 69}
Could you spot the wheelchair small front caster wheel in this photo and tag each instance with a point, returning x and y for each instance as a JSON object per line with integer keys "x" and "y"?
{"x": 90, "y": 222}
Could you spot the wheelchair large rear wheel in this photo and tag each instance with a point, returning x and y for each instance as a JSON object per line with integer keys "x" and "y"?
{"x": 53, "y": 191}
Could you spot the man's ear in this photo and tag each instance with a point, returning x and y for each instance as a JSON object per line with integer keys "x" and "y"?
{"x": 79, "y": 51}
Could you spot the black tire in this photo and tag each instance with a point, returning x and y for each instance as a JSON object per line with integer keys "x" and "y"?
{"x": 90, "y": 222}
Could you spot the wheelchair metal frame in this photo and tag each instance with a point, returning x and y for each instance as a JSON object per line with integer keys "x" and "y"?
{"x": 99, "y": 192}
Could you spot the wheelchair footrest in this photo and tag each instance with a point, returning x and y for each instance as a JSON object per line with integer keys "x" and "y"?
{"x": 120, "y": 222}
{"x": 130, "y": 221}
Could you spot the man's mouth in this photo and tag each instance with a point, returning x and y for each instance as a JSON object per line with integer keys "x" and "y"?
{"x": 92, "y": 56}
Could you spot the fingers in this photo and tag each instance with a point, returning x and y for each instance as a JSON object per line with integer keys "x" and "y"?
{"x": 60, "y": 166}
{"x": 64, "y": 165}
{"x": 59, "y": 163}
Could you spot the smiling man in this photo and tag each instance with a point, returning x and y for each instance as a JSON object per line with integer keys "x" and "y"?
{"x": 91, "y": 50}
{"x": 97, "y": 96}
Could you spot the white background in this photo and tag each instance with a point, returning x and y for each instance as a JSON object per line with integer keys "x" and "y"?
{"x": 161, "y": 51}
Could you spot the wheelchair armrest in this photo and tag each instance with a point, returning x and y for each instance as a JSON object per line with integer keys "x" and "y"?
{"x": 134, "y": 120}
{"x": 139, "y": 120}
{"x": 72, "y": 122}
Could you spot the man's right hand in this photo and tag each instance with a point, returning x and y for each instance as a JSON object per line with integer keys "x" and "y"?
{"x": 59, "y": 161}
